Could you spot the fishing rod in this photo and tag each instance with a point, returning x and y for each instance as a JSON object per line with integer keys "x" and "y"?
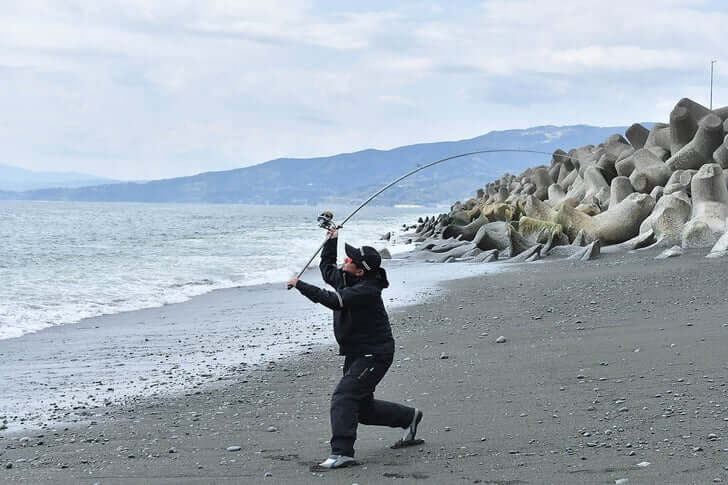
{"x": 326, "y": 219}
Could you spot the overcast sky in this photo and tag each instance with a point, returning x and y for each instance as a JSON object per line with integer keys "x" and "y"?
{"x": 141, "y": 89}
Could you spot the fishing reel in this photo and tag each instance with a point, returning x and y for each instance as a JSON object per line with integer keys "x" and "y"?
{"x": 326, "y": 220}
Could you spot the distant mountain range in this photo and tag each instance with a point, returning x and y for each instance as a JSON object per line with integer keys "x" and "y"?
{"x": 351, "y": 177}
{"x": 19, "y": 179}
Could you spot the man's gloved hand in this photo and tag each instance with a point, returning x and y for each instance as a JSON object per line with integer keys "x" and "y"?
{"x": 333, "y": 233}
{"x": 292, "y": 283}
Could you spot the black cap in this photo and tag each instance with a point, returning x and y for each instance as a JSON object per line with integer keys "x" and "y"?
{"x": 365, "y": 257}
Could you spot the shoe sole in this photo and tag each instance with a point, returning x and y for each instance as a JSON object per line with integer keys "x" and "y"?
{"x": 413, "y": 441}
{"x": 405, "y": 444}
{"x": 318, "y": 468}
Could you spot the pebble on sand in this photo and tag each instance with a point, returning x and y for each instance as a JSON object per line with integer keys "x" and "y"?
{"x": 500, "y": 340}
{"x": 233, "y": 448}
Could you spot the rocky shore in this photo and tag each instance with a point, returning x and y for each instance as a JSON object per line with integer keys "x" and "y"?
{"x": 660, "y": 187}
{"x": 611, "y": 371}
{"x": 603, "y": 365}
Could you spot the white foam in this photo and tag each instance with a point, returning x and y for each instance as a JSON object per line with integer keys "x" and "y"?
{"x": 71, "y": 261}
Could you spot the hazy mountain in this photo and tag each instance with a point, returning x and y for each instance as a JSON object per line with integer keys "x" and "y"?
{"x": 351, "y": 177}
{"x": 20, "y": 179}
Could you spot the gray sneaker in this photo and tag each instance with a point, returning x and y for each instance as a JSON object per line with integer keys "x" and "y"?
{"x": 411, "y": 431}
{"x": 338, "y": 461}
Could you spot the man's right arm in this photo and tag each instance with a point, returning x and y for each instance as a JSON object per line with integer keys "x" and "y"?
{"x": 329, "y": 299}
{"x": 329, "y": 271}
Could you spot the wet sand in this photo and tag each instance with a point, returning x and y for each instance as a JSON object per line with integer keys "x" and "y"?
{"x": 606, "y": 365}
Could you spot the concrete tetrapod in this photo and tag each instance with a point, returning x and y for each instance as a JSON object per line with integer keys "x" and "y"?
{"x": 637, "y": 135}
{"x": 537, "y": 230}
{"x": 710, "y": 208}
{"x": 616, "y": 225}
{"x": 657, "y": 192}
{"x": 554, "y": 239}
{"x": 614, "y": 146}
{"x": 536, "y": 209}
{"x": 563, "y": 252}
{"x": 672, "y": 252}
{"x": 621, "y": 187}
{"x": 591, "y": 208}
{"x": 556, "y": 194}
{"x": 699, "y": 150}
{"x": 577, "y": 190}
{"x": 720, "y": 155}
{"x": 649, "y": 171}
{"x": 668, "y": 218}
{"x": 595, "y": 186}
{"x": 659, "y": 140}
{"x": 531, "y": 254}
{"x": 684, "y": 122}
{"x": 720, "y": 248}
{"x": 622, "y": 221}
{"x": 722, "y": 113}
{"x": 579, "y": 253}
{"x": 452, "y": 254}
{"x": 640, "y": 241}
{"x": 588, "y": 252}
{"x": 625, "y": 166}
{"x": 567, "y": 182}
{"x": 467, "y": 232}
{"x": 501, "y": 236}
{"x": 486, "y": 256}
{"x": 440, "y": 246}
{"x": 622, "y": 167}
{"x": 679, "y": 182}
{"x": 541, "y": 178}
{"x": 499, "y": 212}
{"x": 460, "y": 217}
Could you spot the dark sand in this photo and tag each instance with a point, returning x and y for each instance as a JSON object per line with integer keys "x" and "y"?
{"x": 607, "y": 364}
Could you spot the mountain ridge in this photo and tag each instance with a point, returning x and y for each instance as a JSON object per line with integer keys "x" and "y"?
{"x": 18, "y": 179}
{"x": 352, "y": 177}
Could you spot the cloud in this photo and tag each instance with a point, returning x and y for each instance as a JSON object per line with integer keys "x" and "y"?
{"x": 148, "y": 89}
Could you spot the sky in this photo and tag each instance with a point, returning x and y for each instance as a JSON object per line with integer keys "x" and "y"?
{"x": 144, "y": 89}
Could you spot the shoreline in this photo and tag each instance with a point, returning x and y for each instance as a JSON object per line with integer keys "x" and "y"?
{"x": 56, "y": 374}
{"x": 607, "y": 365}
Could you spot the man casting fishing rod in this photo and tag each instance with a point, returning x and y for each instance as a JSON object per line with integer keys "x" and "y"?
{"x": 362, "y": 330}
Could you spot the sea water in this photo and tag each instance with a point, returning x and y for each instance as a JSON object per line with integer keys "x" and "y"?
{"x": 61, "y": 262}
{"x": 102, "y": 303}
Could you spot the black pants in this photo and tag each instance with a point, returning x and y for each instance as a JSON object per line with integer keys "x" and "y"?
{"x": 353, "y": 402}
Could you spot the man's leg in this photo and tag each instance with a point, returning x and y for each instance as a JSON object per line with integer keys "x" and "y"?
{"x": 385, "y": 413}
{"x": 344, "y": 412}
{"x": 376, "y": 412}
{"x": 353, "y": 402}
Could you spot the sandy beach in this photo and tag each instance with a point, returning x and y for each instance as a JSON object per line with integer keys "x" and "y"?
{"x": 611, "y": 370}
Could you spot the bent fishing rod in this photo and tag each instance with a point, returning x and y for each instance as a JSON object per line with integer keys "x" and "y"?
{"x": 326, "y": 219}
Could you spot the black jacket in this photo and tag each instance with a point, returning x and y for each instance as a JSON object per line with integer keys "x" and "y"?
{"x": 361, "y": 324}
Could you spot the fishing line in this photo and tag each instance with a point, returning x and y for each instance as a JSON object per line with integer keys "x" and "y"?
{"x": 330, "y": 225}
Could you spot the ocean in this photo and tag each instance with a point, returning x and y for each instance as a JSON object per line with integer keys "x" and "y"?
{"x": 110, "y": 303}
{"x": 61, "y": 262}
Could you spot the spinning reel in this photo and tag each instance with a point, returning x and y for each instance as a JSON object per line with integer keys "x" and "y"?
{"x": 326, "y": 220}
